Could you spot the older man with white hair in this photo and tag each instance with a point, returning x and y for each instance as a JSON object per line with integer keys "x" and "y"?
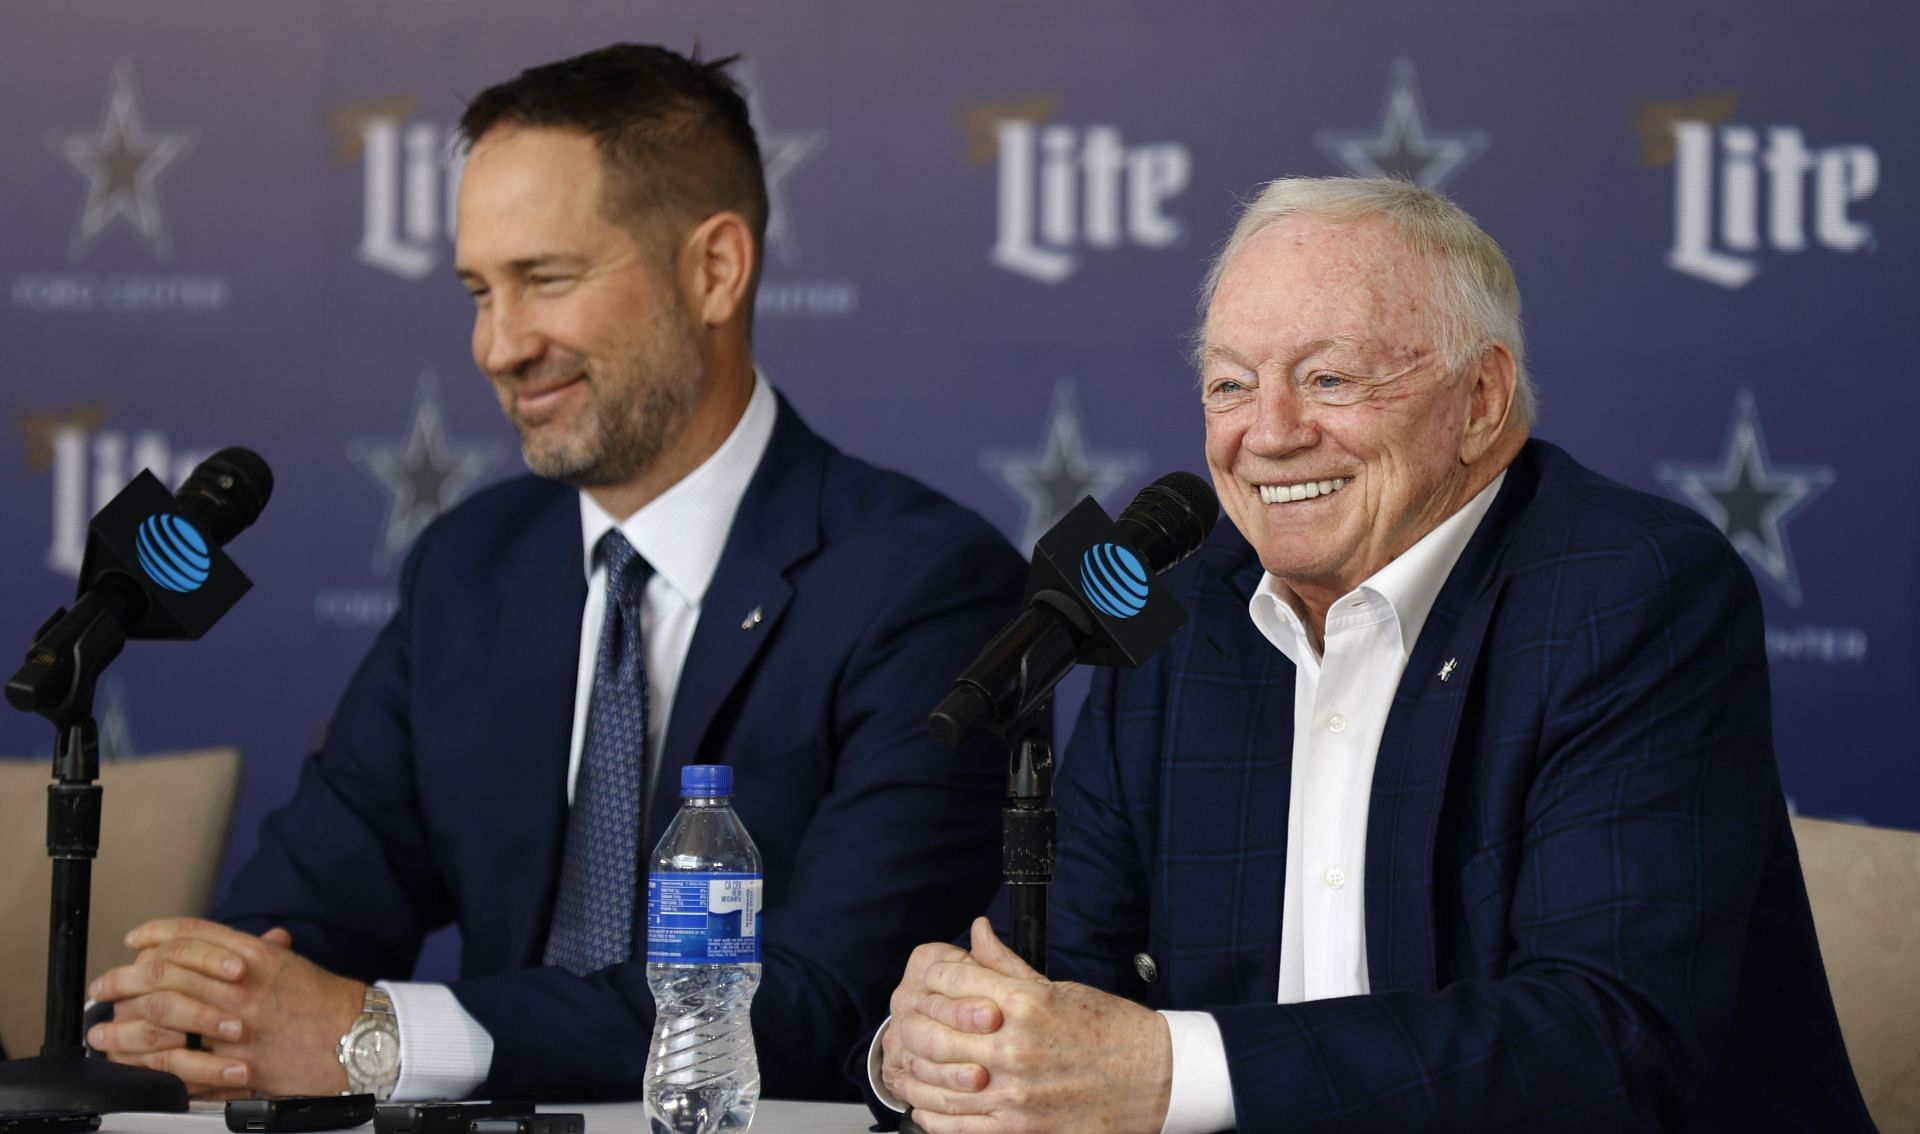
{"x": 1455, "y": 805}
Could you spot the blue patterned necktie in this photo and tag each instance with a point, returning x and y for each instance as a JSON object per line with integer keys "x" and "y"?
{"x": 593, "y": 913}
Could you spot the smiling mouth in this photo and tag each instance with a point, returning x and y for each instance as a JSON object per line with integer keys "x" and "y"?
{"x": 1302, "y": 490}
{"x": 538, "y": 396}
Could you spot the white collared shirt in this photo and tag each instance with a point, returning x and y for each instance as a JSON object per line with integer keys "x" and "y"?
{"x": 681, "y": 534}
{"x": 1341, "y": 698}
{"x": 444, "y": 1051}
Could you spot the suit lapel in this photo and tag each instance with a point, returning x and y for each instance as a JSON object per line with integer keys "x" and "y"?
{"x": 1261, "y": 889}
{"x": 1226, "y": 784}
{"x": 777, "y": 525}
{"x": 532, "y": 669}
{"x": 1416, "y": 750}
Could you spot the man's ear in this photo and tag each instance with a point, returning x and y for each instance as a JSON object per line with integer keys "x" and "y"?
{"x": 1490, "y": 397}
{"x": 717, "y": 262}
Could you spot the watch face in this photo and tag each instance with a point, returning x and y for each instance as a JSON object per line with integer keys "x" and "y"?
{"x": 374, "y": 1054}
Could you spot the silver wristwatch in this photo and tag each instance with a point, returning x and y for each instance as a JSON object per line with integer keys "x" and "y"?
{"x": 370, "y": 1051}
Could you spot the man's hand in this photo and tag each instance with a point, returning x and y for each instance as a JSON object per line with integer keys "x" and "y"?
{"x": 913, "y": 998}
{"x": 988, "y": 1046}
{"x": 268, "y": 1019}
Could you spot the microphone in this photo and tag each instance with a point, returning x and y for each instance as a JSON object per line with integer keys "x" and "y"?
{"x": 153, "y": 568}
{"x": 1091, "y": 597}
{"x": 226, "y": 493}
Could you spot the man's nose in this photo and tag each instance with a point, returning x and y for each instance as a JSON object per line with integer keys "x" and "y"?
{"x": 505, "y": 338}
{"x": 1284, "y": 421}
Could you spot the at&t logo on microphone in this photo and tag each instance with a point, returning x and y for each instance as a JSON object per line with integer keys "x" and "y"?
{"x": 173, "y": 553}
{"x": 1114, "y": 580}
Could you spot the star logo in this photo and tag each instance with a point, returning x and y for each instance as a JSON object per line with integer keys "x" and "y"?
{"x": 424, "y": 474}
{"x": 782, "y": 154}
{"x": 1401, "y": 145}
{"x": 122, "y": 165}
{"x": 1054, "y": 479}
{"x": 1750, "y": 498}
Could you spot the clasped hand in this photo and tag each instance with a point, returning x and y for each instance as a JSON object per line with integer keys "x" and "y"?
{"x": 980, "y": 1043}
{"x": 268, "y": 1018}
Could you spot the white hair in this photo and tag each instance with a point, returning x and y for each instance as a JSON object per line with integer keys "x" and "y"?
{"x": 1473, "y": 284}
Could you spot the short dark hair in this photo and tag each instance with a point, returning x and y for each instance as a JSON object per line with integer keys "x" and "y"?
{"x": 673, "y": 131}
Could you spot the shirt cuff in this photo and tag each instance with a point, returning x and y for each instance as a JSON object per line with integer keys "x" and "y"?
{"x": 444, "y": 1052}
{"x": 1201, "y": 1101}
{"x": 873, "y": 1071}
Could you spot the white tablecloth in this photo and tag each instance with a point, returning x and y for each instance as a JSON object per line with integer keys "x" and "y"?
{"x": 771, "y": 1117}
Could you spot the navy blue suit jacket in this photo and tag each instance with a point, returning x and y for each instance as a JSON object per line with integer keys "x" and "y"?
{"x": 1584, "y": 908}
{"x": 439, "y": 794}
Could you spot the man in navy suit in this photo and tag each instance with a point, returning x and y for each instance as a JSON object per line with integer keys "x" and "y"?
{"x": 1453, "y": 808}
{"x": 694, "y": 576}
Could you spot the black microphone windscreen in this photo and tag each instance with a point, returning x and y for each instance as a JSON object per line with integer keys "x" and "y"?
{"x": 1197, "y": 494}
{"x": 1170, "y": 519}
{"x": 225, "y": 493}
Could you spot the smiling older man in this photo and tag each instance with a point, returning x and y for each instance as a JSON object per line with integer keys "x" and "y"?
{"x": 1454, "y": 807}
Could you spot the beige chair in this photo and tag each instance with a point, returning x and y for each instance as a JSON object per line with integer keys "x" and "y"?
{"x": 163, "y": 833}
{"x": 1864, "y": 883}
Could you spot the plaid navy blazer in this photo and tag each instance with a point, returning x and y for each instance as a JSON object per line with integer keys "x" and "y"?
{"x": 1584, "y": 908}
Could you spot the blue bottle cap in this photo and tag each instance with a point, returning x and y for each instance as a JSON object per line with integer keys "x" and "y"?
{"x": 706, "y": 781}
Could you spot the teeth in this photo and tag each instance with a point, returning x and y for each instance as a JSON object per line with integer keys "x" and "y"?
{"x": 1306, "y": 490}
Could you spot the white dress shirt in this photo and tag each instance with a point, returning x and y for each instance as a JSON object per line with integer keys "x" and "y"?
{"x": 444, "y": 1051}
{"x": 1341, "y": 698}
{"x": 1340, "y": 704}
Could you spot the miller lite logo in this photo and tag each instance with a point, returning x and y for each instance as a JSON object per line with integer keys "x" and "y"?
{"x": 1742, "y": 190}
{"x": 410, "y": 182}
{"x": 1066, "y": 188}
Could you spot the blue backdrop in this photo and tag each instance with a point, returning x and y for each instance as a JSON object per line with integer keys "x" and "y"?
{"x": 226, "y": 222}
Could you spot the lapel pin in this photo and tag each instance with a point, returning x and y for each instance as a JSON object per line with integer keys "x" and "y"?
{"x": 754, "y": 619}
{"x": 1446, "y": 670}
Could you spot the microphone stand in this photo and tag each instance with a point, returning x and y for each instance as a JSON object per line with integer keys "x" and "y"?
{"x": 61, "y": 1077}
{"x": 1027, "y": 825}
{"x": 1027, "y": 832}
{"x": 1027, "y": 822}
{"x": 1080, "y": 608}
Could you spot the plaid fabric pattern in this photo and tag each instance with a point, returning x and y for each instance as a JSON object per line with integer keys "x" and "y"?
{"x": 1583, "y": 908}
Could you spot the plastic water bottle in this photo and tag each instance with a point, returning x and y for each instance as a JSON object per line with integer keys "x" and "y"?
{"x": 703, "y": 962}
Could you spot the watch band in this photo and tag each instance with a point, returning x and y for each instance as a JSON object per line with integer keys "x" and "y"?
{"x": 377, "y": 1021}
{"x": 377, "y": 1002}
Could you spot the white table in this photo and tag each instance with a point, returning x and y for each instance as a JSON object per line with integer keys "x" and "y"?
{"x": 770, "y": 1117}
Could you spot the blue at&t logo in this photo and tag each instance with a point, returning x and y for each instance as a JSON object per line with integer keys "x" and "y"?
{"x": 172, "y": 553}
{"x": 1114, "y": 580}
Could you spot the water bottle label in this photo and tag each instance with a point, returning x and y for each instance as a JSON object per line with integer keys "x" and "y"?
{"x": 705, "y": 918}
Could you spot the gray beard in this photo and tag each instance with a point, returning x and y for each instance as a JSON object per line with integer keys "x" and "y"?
{"x": 617, "y": 444}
